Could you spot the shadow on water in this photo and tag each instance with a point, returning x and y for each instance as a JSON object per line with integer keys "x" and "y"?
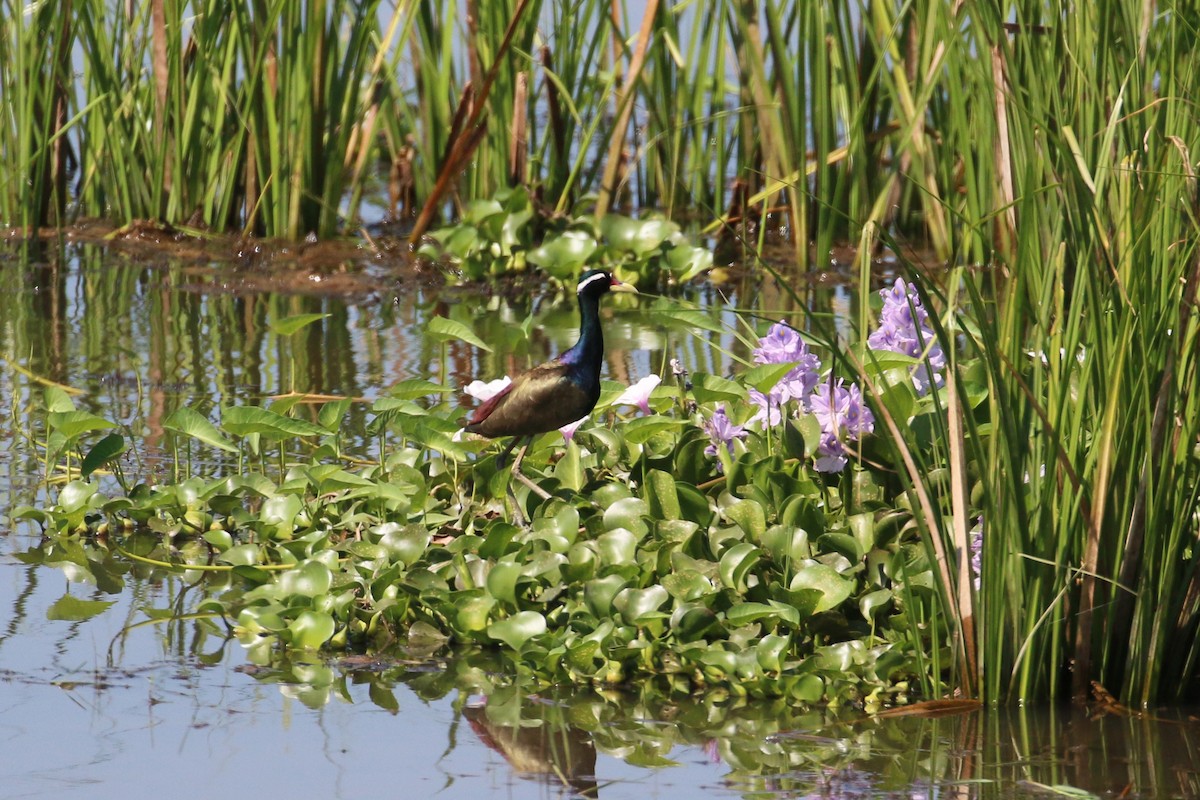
{"x": 111, "y": 685}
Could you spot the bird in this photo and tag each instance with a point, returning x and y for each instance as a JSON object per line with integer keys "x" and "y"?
{"x": 558, "y": 392}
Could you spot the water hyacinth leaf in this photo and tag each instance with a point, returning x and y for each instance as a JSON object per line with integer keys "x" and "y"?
{"x": 241, "y": 555}
{"x": 736, "y": 564}
{"x": 75, "y": 495}
{"x": 786, "y": 544}
{"x": 474, "y": 612}
{"x": 872, "y": 603}
{"x": 289, "y": 325}
{"x": 569, "y": 469}
{"x": 662, "y": 496}
{"x": 598, "y": 594}
{"x": 708, "y": 388}
{"x": 442, "y": 329}
{"x": 564, "y": 255}
{"x": 808, "y": 689}
{"x": 833, "y": 587}
{"x": 750, "y": 517}
{"x": 518, "y": 629}
{"x": 636, "y": 606}
{"x": 74, "y": 609}
{"x": 687, "y": 262}
{"x": 502, "y": 581}
{"x": 617, "y": 547}
{"x": 311, "y": 629}
{"x": 687, "y": 585}
{"x": 187, "y": 422}
{"x": 72, "y": 424}
{"x": 690, "y": 621}
{"x": 638, "y": 236}
{"x": 405, "y": 544}
{"x": 746, "y": 613}
{"x": 841, "y": 543}
{"x": 313, "y": 579}
{"x": 261, "y": 619}
{"x": 640, "y": 430}
{"x": 770, "y": 651}
{"x": 629, "y": 513}
{"x": 247, "y": 420}
{"x": 104, "y": 451}
{"x": 764, "y": 377}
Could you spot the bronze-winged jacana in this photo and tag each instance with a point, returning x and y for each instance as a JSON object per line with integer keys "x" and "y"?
{"x": 557, "y": 392}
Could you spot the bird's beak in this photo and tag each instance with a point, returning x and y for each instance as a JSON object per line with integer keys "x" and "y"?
{"x": 618, "y": 286}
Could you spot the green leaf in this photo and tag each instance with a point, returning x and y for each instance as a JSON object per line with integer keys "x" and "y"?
{"x": 289, "y": 325}
{"x": 638, "y": 236}
{"x": 564, "y": 255}
{"x": 245, "y": 420}
{"x": 72, "y": 424}
{"x": 764, "y": 376}
{"x": 640, "y": 430}
{"x": 662, "y": 496}
{"x": 637, "y": 605}
{"x": 311, "y": 580}
{"x": 442, "y": 329}
{"x": 832, "y": 586}
{"x": 518, "y": 629}
{"x": 57, "y": 400}
{"x": 187, "y": 422}
{"x": 736, "y": 564}
{"x": 101, "y": 453}
{"x": 709, "y": 388}
{"x": 73, "y": 609}
{"x": 311, "y": 629}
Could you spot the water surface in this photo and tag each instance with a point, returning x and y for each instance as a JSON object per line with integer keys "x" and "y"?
{"x": 138, "y": 698}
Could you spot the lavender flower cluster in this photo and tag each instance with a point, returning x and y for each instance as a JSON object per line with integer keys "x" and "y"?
{"x": 904, "y": 328}
{"x": 840, "y": 410}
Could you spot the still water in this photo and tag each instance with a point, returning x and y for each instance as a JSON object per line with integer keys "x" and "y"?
{"x": 124, "y": 699}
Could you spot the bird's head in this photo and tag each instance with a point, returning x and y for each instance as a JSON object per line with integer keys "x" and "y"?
{"x": 596, "y": 282}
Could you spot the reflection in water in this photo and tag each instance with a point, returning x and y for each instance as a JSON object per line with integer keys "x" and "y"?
{"x": 88, "y": 701}
{"x": 538, "y": 744}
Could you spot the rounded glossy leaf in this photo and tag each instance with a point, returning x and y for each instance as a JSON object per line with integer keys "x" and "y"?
{"x": 771, "y": 650}
{"x": 872, "y": 603}
{"x": 636, "y": 605}
{"x": 687, "y": 584}
{"x": 689, "y": 622}
{"x": 617, "y": 547}
{"x": 518, "y": 629}
{"x": 473, "y": 613}
{"x": 628, "y": 513}
{"x": 406, "y": 544}
{"x": 563, "y": 256}
{"x": 502, "y": 581}
{"x": 75, "y": 495}
{"x": 786, "y": 544}
{"x": 313, "y": 579}
{"x": 736, "y": 565}
{"x": 832, "y": 586}
{"x": 598, "y": 593}
{"x": 311, "y": 629}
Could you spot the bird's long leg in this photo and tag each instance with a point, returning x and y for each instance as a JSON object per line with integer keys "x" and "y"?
{"x": 500, "y": 459}
{"x": 516, "y": 471}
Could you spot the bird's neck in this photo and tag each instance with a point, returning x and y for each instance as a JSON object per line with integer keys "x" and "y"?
{"x": 588, "y": 352}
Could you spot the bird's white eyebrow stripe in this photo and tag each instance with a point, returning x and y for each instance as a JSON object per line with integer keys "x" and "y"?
{"x": 593, "y": 279}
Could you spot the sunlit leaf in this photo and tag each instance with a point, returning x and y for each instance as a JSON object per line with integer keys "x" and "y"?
{"x": 443, "y": 329}
{"x": 289, "y": 325}
{"x": 518, "y": 629}
{"x": 246, "y": 420}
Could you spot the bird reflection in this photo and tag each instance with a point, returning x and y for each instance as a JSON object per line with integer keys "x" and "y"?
{"x": 547, "y": 750}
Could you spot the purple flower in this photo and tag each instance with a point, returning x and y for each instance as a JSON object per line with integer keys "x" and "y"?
{"x": 831, "y": 454}
{"x": 782, "y": 345}
{"x": 976, "y": 545}
{"x": 639, "y": 394}
{"x": 769, "y": 406}
{"x": 904, "y": 328}
{"x": 721, "y": 431}
{"x": 843, "y": 416}
{"x": 568, "y": 430}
